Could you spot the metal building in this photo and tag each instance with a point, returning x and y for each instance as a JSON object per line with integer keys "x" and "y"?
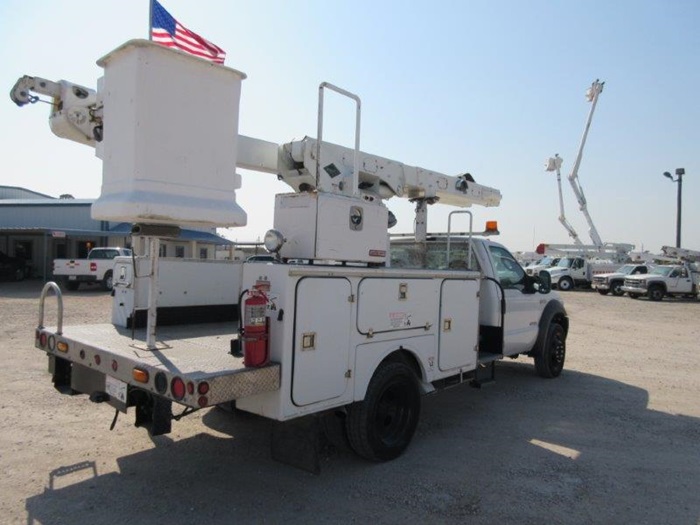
{"x": 40, "y": 228}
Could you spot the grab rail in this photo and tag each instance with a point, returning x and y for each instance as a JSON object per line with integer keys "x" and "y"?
{"x": 59, "y": 297}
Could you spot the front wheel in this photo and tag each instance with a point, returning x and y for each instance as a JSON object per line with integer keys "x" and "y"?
{"x": 382, "y": 425}
{"x": 549, "y": 362}
{"x": 616, "y": 288}
{"x": 602, "y": 292}
{"x": 566, "y": 284}
{"x": 656, "y": 293}
{"x": 633, "y": 295}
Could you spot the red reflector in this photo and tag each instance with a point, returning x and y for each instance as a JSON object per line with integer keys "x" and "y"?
{"x": 190, "y": 388}
{"x": 42, "y": 339}
{"x": 98, "y": 359}
{"x": 115, "y": 365}
{"x": 202, "y": 401}
{"x": 177, "y": 388}
{"x": 93, "y": 266}
{"x": 203, "y": 388}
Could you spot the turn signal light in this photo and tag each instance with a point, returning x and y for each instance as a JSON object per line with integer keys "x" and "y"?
{"x": 62, "y": 346}
{"x": 139, "y": 375}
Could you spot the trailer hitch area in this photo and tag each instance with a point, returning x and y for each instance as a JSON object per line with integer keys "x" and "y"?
{"x": 99, "y": 397}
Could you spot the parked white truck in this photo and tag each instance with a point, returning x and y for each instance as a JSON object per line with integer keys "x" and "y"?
{"x": 98, "y": 268}
{"x": 359, "y": 333}
{"x": 606, "y": 283}
{"x": 571, "y": 272}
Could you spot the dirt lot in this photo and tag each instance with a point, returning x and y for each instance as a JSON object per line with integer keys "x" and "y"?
{"x": 615, "y": 439}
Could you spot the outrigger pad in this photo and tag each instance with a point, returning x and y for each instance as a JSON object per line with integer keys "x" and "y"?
{"x": 297, "y": 443}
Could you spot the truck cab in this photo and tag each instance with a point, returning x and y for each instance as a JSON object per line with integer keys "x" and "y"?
{"x": 506, "y": 289}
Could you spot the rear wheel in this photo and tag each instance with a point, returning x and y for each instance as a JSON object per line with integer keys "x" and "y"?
{"x": 656, "y": 293}
{"x": 616, "y": 288}
{"x": 72, "y": 285}
{"x": 566, "y": 284}
{"x": 602, "y": 292}
{"x": 549, "y": 362}
{"x": 107, "y": 282}
{"x": 382, "y": 425}
{"x": 633, "y": 295}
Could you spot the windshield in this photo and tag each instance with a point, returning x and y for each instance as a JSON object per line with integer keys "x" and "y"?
{"x": 545, "y": 261}
{"x": 627, "y": 269}
{"x": 662, "y": 270}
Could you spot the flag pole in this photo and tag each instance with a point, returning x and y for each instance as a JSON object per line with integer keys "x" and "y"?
{"x": 150, "y": 19}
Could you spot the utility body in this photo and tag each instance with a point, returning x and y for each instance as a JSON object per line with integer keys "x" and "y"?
{"x": 347, "y": 321}
{"x": 98, "y": 268}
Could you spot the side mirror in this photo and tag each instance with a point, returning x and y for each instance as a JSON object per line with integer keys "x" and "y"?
{"x": 544, "y": 284}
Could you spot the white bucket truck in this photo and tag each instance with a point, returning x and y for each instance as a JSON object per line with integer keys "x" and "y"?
{"x": 679, "y": 279}
{"x": 346, "y": 334}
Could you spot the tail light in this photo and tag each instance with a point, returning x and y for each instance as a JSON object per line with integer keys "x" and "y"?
{"x": 43, "y": 339}
{"x": 177, "y": 388}
{"x": 203, "y": 388}
{"x": 202, "y": 401}
{"x": 161, "y": 383}
{"x": 190, "y": 387}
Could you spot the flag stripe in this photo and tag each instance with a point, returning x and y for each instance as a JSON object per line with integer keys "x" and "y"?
{"x": 168, "y": 32}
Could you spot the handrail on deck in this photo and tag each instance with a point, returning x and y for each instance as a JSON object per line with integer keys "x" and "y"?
{"x": 59, "y": 298}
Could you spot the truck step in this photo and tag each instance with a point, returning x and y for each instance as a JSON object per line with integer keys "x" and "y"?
{"x": 484, "y": 374}
{"x": 488, "y": 357}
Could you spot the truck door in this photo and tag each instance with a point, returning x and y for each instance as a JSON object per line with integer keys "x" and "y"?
{"x": 679, "y": 281}
{"x": 579, "y": 270}
{"x": 321, "y": 339}
{"x": 522, "y": 309}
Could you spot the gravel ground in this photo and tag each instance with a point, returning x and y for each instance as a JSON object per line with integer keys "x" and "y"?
{"x": 615, "y": 439}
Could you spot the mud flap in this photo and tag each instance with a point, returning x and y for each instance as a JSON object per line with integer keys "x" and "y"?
{"x": 155, "y": 415}
{"x": 60, "y": 370}
{"x": 297, "y": 443}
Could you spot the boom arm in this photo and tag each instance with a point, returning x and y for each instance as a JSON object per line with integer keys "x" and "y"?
{"x": 76, "y": 115}
{"x": 592, "y": 94}
{"x": 554, "y": 164}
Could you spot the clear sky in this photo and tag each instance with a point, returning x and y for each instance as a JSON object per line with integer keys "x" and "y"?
{"x": 487, "y": 87}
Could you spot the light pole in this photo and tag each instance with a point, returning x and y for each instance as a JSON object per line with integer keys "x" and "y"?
{"x": 679, "y": 179}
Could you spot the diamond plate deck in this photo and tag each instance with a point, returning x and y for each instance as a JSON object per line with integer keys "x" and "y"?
{"x": 195, "y": 352}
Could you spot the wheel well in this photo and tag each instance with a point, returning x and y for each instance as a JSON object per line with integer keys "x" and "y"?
{"x": 658, "y": 285}
{"x": 404, "y": 356}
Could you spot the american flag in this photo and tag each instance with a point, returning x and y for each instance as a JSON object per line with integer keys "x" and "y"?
{"x": 167, "y": 31}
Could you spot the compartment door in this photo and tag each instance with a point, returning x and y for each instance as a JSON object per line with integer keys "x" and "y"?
{"x": 321, "y": 339}
{"x": 459, "y": 324}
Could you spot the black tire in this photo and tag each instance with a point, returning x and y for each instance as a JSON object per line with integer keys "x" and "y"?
{"x": 549, "y": 362}
{"x": 616, "y": 288}
{"x": 565, "y": 284}
{"x": 656, "y": 293}
{"x": 107, "y": 283}
{"x": 72, "y": 285}
{"x": 602, "y": 292}
{"x": 382, "y": 425}
{"x": 633, "y": 295}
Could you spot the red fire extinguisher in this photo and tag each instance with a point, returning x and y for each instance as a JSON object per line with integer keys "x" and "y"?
{"x": 256, "y": 328}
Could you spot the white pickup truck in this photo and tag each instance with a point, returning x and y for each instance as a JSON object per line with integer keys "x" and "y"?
{"x": 98, "y": 268}
{"x": 682, "y": 279}
{"x": 606, "y": 283}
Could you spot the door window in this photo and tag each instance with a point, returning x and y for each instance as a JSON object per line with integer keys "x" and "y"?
{"x": 508, "y": 270}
